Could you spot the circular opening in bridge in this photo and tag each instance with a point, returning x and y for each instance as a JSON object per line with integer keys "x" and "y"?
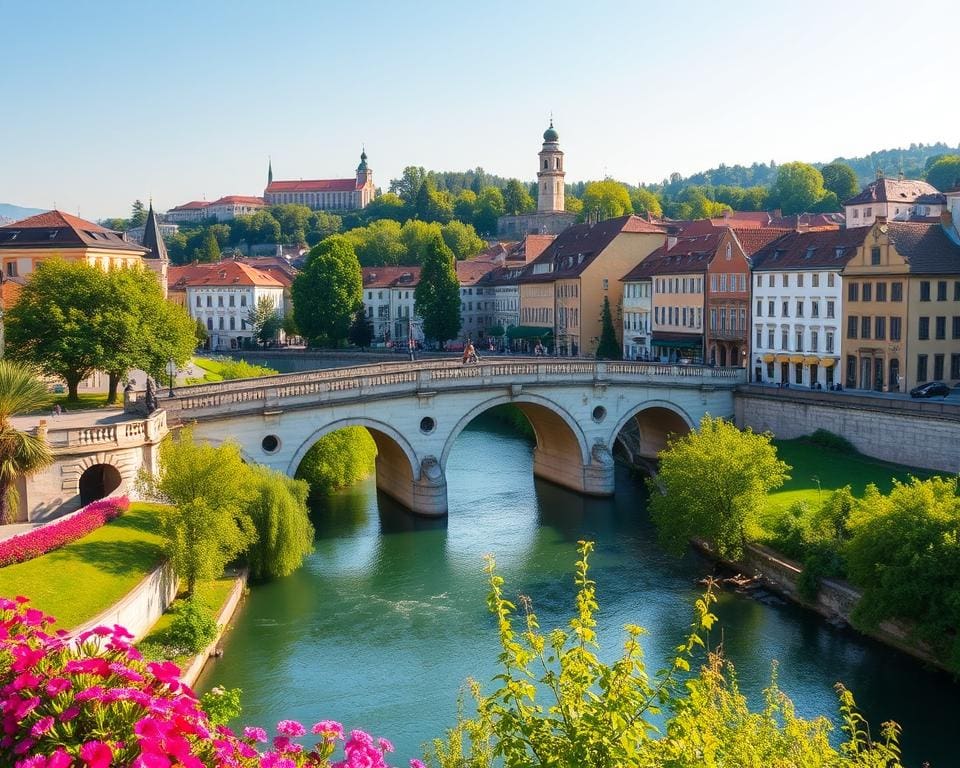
{"x": 427, "y": 425}
{"x": 98, "y": 481}
{"x": 270, "y": 444}
{"x": 599, "y": 413}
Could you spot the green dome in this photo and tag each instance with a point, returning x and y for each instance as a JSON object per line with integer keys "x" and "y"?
{"x": 550, "y": 134}
{"x": 363, "y": 162}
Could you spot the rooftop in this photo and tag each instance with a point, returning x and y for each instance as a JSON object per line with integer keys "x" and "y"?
{"x": 811, "y": 250}
{"x": 55, "y": 229}
{"x": 312, "y": 185}
{"x": 886, "y": 190}
{"x": 926, "y": 247}
{"x": 223, "y": 274}
{"x": 689, "y": 255}
{"x": 390, "y": 277}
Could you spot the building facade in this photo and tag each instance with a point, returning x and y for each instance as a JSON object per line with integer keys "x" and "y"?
{"x": 477, "y": 298}
{"x": 728, "y": 304}
{"x": 892, "y": 200}
{"x": 389, "y": 304}
{"x": 637, "y": 325}
{"x": 324, "y": 194}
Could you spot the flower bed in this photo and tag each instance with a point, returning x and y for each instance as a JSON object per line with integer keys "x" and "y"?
{"x": 97, "y": 703}
{"x": 39, "y": 541}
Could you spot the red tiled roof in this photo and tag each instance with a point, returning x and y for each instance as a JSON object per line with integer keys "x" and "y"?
{"x": 191, "y": 206}
{"x": 226, "y": 273}
{"x": 752, "y": 240}
{"x": 313, "y": 185}
{"x": 471, "y": 272}
{"x": 688, "y": 255}
{"x": 387, "y": 277}
{"x": 240, "y": 200}
{"x": 892, "y": 191}
{"x": 55, "y": 229}
{"x": 809, "y": 250}
{"x": 926, "y": 247}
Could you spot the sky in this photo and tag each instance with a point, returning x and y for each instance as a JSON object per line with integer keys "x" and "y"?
{"x": 105, "y": 102}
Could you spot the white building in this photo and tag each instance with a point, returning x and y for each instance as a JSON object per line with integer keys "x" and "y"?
{"x": 477, "y": 299}
{"x": 896, "y": 199}
{"x": 195, "y": 210}
{"x": 324, "y": 194}
{"x": 797, "y": 307}
{"x": 388, "y": 302}
{"x": 637, "y": 309}
{"x": 222, "y": 297}
{"x": 225, "y": 209}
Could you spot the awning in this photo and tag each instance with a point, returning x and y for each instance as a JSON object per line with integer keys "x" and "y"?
{"x": 796, "y": 359}
{"x": 676, "y": 343}
{"x": 783, "y": 358}
{"x": 769, "y": 357}
{"x": 529, "y": 332}
{"x": 811, "y": 360}
{"x": 828, "y": 362}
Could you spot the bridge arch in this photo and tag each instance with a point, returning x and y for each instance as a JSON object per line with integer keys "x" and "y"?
{"x": 653, "y": 421}
{"x": 391, "y": 444}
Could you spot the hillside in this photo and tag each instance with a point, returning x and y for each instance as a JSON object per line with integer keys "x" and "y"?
{"x": 12, "y": 212}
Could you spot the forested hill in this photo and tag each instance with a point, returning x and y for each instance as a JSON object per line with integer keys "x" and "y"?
{"x": 915, "y": 159}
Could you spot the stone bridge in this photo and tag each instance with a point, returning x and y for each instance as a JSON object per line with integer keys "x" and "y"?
{"x": 414, "y": 411}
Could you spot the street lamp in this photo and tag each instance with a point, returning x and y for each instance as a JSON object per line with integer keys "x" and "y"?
{"x": 172, "y": 371}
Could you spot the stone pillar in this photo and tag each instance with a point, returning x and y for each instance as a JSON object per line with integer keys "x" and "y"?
{"x": 426, "y": 496}
{"x": 598, "y": 475}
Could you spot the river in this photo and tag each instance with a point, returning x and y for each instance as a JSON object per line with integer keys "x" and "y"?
{"x": 387, "y": 619}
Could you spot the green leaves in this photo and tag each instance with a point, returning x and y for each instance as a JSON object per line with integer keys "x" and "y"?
{"x": 327, "y": 292}
{"x": 437, "y": 296}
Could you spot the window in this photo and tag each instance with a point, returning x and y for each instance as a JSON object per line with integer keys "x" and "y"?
{"x": 799, "y": 341}
{"x": 941, "y": 328}
{"x": 221, "y": 323}
{"x": 938, "y": 367}
{"x": 605, "y": 282}
{"x": 853, "y": 291}
{"x": 830, "y": 279}
{"x": 814, "y": 308}
{"x": 713, "y": 283}
{"x": 867, "y": 212}
{"x": 800, "y": 280}
{"x": 875, "y": 256}
{"x": 956, "y": 290}
{"x": 955, "y": 366}
{"x": 865, "y": 327}
{"x": 786, "y": 280}
{"x": 798, "y": 374}
{"x": 894, "y": 329}
{"x": 856, "y": 213}
{"x": 209, "y": 323}
{"x": 815, "y": 279}
{"x": 956, "y": 327}
{"x": 924, "y": 330}
{"x": 760, "y": 338}
{"x": 723, "y": 319}
{"x": 896, "y": 291}
{"x": 830, "y": 309}
{"x": 233, "y": 323}
{"x": 921, "y": 368}
{"x": 219, "y": 301}
{"x": 770, "y": 338}
{"x": 880, "y": 328}
{"x": 723, "y": 283}
{"x": 799, "y": 308}
{"x": 784, "y": 339}
{"x": 786, "y": 309}
{"x": 868, "y": 291}
{"x": 881, "y": 291}
{"x": 209, "y": 301}
{"x": 851, "y": 327}
{"x": 743, "y": 283}
{"x": 198, "y": 301}
{"x": 770, "y": 280}
{"x": 770, "y": 312}
{"x": 759, "y": 308}
{"x": 829, "y": 341}
{"x": 760, "y": 281}
{"x": 243, "y": 300}
{"x": 941, "y": 290}
{"x": 814, "y": 341}
{"x": 924, "y": 290}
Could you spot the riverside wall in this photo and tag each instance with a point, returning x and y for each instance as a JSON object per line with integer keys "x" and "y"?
{"x": 914, "y": 433}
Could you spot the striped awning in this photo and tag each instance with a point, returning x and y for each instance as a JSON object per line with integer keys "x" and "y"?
{"x": 811, "y": 360}
{"x": 783, "y": 358}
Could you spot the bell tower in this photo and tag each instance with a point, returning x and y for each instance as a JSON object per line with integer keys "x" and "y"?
{"x": 550, "y": 174}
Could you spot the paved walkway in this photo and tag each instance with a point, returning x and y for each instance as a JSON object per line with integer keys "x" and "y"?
{"x": 74, "y": 419}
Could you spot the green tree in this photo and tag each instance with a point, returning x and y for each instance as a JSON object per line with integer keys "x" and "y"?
{"x": 437, "y": 296}
{"x": 840, "y": 179}
{"x": 462, "y": 239}
{"x": 361, "y": 330}
{"x": 386, "y": 206}
{"x": 265, "y": 320}
{"x": 338, "y": 459}
{"x": 206, "y": 525}
{"x": 408, "y": 185}
{"x": 516, "y": 198}
{"x": 200, "y": 333}
{"x": 58, "y": 323}
{"x": 416, "y": 237}
{"x": 646, "y": 202}
{"x": 21, "y": 454}
{"x": 606, "y": 200}
{"x": 263, "y": 228}
{"x": 465, "y": 204}
{"x": 573, "y": 204}
{"x": 328, "y": 291}
{"x": 489, "y": 207}
{"x": 138, "y": 215}
{"x": 277, "y": 505}
{"x": 209, "y": 252}
{"x": 711, "y": 485}
{"x": 431, "y": 205}
{"x": 378, "y": 244}
{"x": 608, "y": 348}
{"x": 904, "y": 553}
{"x": 944, "y": 174}
{"x": 798, "y": 188}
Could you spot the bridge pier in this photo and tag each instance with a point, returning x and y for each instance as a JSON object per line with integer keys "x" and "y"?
{"x": 593, "y": 479}
{"x": 426, "y": 495}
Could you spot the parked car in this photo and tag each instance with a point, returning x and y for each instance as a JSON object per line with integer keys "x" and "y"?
{"x": 931, "y": 389}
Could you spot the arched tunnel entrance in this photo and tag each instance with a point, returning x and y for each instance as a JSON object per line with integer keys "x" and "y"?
{"x": 641, "y": 436}
{"x": 98, "y": 482}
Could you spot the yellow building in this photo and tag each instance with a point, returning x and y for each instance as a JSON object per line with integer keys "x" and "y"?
{"x": 901, "y": 308}
{"x": 563, "y": 289}
{"x": 54, "y": 234}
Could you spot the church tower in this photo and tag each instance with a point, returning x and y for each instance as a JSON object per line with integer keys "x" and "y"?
{"x": 550, "y": 174}
{"x": 269, "y": 171}
{"x": 364, "y": 174}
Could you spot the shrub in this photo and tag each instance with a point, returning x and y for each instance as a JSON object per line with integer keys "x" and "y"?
{"x": 338, "y": 460}
{"x": 39, "y": 541}
{"x": 277, "y": 505}
{"x": 193, "y": 627}
{"x": 832, "y": 442}
{"x": 221, "y": 704}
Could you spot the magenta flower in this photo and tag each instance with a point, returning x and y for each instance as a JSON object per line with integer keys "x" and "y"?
{"x": 291, "y": 728}
{"x": 57, "y": 685}
{"x": 417, "y": 763}
{"x": 254, "y": 734}
{"x": 385, "y": 745}
{"x": 96, "y": 754}
{"x": 328, "y": 728}
{"x": 41, "y": 727}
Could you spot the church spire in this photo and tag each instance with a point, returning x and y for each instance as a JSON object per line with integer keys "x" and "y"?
{"x": 269, "y": 170}
{"x": 152, "y": 238}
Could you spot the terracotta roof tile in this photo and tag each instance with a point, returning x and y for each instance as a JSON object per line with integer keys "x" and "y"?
{"x": 313, "y": 185}
{"x": 390, "y": 277}
{"x": 55, "y": 229}
{"x": 226, "y": 273}
{"x": 926, "y": 247}
{"x": 810, "y": 250}
{"x": 892, "y": 191}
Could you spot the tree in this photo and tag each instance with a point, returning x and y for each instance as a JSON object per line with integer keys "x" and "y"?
{"x": 200, "y": 333}
{"x": 408, "y": 185}
{"x": 138, "y": 215}
{"x": 904, "y": 553}
{"x": 464, "y": 206}
{"x": 606, "y": 200}
{"x": 431, "y": 205}
{"x": 277, "y": 505}
{"x": 840, "y": 179}
{"x": 338, "y": 459}
{"x": 361, "y": 330}
{"x": 608, "y": 348}
{"x": 944, "y": 174}
{"x": 378, "y": 244}
{"x": 209, "y": 252}
{"x": 646, "y": 202}
{"x": 572, "y": 204}
{"x": 798, "y": 188}
{"x": 516, "y": 199}
{"x": 489, "y": 207}
{"x": 328, "y": 291}
{"x": 386, "y": 206}
{"x": 206, "y": 526}
{"x": 58, "y": 323}
{"x": 21, "y": 454}
{"x": 265, "y": 320}
{"x": 437, "y": 296}
{"x": 711, "y": 484}
{"x": 462, "y": 239}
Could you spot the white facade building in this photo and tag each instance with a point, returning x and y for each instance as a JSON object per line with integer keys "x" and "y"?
{"x": 637, "y": 308}
{"x": 895, "y": 199}
{"x": 388, "y": 303}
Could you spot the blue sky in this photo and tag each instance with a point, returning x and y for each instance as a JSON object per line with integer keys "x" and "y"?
{"x": 103, "y": 102}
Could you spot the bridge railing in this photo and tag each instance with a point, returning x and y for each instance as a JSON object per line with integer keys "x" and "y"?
{"x": 117, "y": 435}
{"x": 274, "y": 392}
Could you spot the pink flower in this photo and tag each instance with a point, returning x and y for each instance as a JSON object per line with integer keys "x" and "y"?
{"x": 329, "y": 728}
{"x": 59, "y": 759}
{"x": 164, "y": 671}
{"x": 69, "y": 713}
{"x": 290, "y": 728}
{"x": 254, "y": 734}
{"x": 57, "y": 685}
{"x": 417, "y": 763}
{"x": 42, "y": 725}
{"x": 96, "y": 754}
{"x": 385, "y": 745}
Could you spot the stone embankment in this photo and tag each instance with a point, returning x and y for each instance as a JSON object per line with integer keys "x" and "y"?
{"x": 192, "y": 672}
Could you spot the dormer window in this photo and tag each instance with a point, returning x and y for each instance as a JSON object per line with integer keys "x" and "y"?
{"x": 53, "y": 234}
{"x": 809, "y": 253}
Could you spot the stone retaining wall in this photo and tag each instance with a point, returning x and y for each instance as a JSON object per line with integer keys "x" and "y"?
{"x": 192, "y": 673}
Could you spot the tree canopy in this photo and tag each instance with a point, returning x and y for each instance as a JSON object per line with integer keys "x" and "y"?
{"x": 437, "y": 296}
{"x": 328, "y": 292}
{"x": 944, "y": 174}
{"x": 608, "y": 348}
{"x": 840, "y": 179}
{"x": 606, "y": 199}
{"x": 798, "y": 189}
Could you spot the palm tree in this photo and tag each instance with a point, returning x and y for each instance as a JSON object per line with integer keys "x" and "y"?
{"x": 21, "y": 454}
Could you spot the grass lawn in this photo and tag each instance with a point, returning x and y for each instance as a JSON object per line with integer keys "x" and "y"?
{"x": 811, "y": 463}
{"x": 87, "y": 401}
{"x": 78, "y": 581}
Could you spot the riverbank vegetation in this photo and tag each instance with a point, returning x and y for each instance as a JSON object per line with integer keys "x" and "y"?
{"x": 83, "y": 578}
{"x": 182, "y": 632}
{"x": 338, "y": 459}
{"x": 892, "y": 535}
{"x": 227, "y": 369}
